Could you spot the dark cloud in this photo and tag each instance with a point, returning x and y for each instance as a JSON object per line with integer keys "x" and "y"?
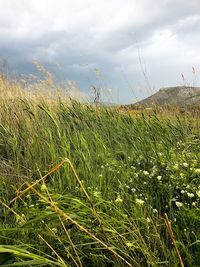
{"x": 121, "y": 38}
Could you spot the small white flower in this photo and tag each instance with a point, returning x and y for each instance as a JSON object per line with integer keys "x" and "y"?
{"x": 155, "y": 210}
{"x": 118, "y": 199}
{"x": 185, "y": 164}
{"x": 133, "y": 190}
{"x": 148, "y": 220}
{"x": 146, "y": 173}
{"x": 159, "y": 177}
{"x": 190, "y": 195}
{"x": 55, "y": 230}
{"x": 139, "y": 201}
{"x": 97, "y": 194}
{"x": 198, "y": 193}
{"x": 182, "y": 191}
{"x": 197, "y": 171}
{"x": 178, "y": 204}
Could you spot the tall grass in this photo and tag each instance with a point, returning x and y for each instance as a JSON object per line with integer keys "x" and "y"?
{"x": 89, "y": 186}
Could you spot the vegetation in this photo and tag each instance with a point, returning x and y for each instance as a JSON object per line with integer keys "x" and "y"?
{"x": 83, "y": 185}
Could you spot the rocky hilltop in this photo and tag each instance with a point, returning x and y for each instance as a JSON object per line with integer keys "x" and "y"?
{"x": 181, "y": 96}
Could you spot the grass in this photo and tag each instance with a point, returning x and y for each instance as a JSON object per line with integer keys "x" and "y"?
{"x": 83, "y": 185}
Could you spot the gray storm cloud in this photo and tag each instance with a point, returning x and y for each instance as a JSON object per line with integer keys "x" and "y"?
{"x": 121, "y": 38}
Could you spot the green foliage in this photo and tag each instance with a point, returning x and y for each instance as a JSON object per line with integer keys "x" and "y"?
{"x": 134, "y": 169}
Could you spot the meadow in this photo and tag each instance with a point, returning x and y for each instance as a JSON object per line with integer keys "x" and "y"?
{"x": 85, "y": 185}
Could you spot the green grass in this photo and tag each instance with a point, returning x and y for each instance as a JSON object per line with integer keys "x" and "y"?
{"x": 104, "y": 205}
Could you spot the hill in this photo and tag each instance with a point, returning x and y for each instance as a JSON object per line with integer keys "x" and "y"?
{"x": 180, "y": 96}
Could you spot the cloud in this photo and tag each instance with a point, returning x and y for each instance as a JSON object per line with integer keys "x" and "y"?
{"x": 119, "y": 37}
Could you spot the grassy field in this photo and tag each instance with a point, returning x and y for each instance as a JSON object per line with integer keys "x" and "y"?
{"x": 82, "y": 185}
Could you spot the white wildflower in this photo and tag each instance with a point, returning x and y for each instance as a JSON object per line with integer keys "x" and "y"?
{"x": 146, "y": 173}
{"x": 197, "y": 171}
{"x": 148, "y": 220}
{"x": 118, "y": 199}
{"x": 190, "y": 195}
{"x": 159, "y": 177}
{"x": 55, "y": 230}
{"x": 179, "y": 204}
{"x": 97, "y": 194}
{"x": 185, "y": 164}
{"x": 139, "y": 201}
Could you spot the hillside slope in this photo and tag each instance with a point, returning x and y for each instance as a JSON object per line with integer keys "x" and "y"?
{"x": 179, "y": 96}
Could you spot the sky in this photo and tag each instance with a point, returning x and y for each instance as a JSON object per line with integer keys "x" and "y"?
{"x": 128, "y": 48}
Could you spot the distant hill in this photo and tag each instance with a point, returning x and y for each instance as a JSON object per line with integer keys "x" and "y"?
{"x": 180, "y": 96}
